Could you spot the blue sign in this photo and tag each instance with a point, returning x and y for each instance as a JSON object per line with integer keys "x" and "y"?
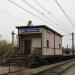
{"x": 29, "y": 30}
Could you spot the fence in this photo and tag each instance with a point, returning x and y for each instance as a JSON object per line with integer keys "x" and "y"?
{"x": 7, "y": 67}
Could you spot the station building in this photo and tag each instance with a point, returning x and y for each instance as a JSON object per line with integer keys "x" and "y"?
{"x": 39, "y": 40}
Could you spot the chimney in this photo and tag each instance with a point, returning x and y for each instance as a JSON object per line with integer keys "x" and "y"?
{"x": 29, "y": 23}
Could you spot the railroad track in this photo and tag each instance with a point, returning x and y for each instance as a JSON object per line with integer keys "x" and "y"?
{"x": 58, "y": 70}
{"x": 55, "y": 70}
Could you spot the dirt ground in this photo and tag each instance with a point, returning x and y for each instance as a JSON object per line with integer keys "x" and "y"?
{"x": 5, "y": 69}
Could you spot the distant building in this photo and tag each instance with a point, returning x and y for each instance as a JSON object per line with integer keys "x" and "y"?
{"x": 39, "y": 40}
{"x": 68, "y": 51}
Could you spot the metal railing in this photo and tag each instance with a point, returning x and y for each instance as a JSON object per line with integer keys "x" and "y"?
{"x": 36, "y": 51}
{"x": 7, "y": 67}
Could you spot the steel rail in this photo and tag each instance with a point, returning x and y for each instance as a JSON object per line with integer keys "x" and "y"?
{"x": 57, "y": 70}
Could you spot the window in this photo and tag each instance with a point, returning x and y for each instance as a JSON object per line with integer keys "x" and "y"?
{"x": 59, "y": 46}
{"x": 47, "y": 43}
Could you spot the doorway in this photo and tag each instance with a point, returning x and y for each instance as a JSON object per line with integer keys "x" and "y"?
{"x": 27, "y": 47}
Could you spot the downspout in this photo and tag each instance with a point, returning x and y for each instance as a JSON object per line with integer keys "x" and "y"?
{"x": 54, "y": 45}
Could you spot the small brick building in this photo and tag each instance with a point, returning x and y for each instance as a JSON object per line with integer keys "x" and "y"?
{"x": 39, "y": 40}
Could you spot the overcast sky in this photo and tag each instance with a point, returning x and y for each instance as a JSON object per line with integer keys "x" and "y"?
{"x": 12, "y": 16}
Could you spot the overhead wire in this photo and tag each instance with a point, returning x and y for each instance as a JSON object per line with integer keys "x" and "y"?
{"x": 40, "y": 12}
{"x": 49, "y": 13}
{"x": 43, "y": 8}
{"x": 37, "y": 10}
{"x": 67, "y": 35}
{"x": 65, "y": 13}
{"x": 30, "y": 12}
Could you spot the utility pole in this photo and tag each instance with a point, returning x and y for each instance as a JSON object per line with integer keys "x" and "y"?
{"x": 72, "y": 43}
{"x": 72, "y": 51}
{"x": 67, "y": 46}
{"x": 12, "y": 41}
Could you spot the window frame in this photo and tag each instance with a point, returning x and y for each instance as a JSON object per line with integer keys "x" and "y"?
{"x": 59, "y": 46}
{"x": 47, "y": 43}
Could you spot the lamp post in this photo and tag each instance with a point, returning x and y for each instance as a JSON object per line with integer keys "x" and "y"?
{"x": 72, "y": 43}
{"x": 12, "y": 41}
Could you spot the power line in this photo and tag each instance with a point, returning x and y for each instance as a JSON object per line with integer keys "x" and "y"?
{"x": 48, "y": 13}
{"x": 42, "y": 6}
{"x": 72, "y": 42}
{"x": 40, "y": 13}
{"x": 67, "y": 34}
{"x": 29, "y": 12}
{"x": 65, "y": 13}
{"x": 45, "y": 9}
{"x": 37, "y": 10}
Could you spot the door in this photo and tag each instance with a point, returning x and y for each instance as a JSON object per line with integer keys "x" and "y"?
{"x": 27, "y": 47}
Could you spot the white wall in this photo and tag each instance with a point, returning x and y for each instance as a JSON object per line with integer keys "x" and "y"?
{"x": 50, "y": 36}
{"x": 58, "y": 40}
{"x": 36, "y": 42}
